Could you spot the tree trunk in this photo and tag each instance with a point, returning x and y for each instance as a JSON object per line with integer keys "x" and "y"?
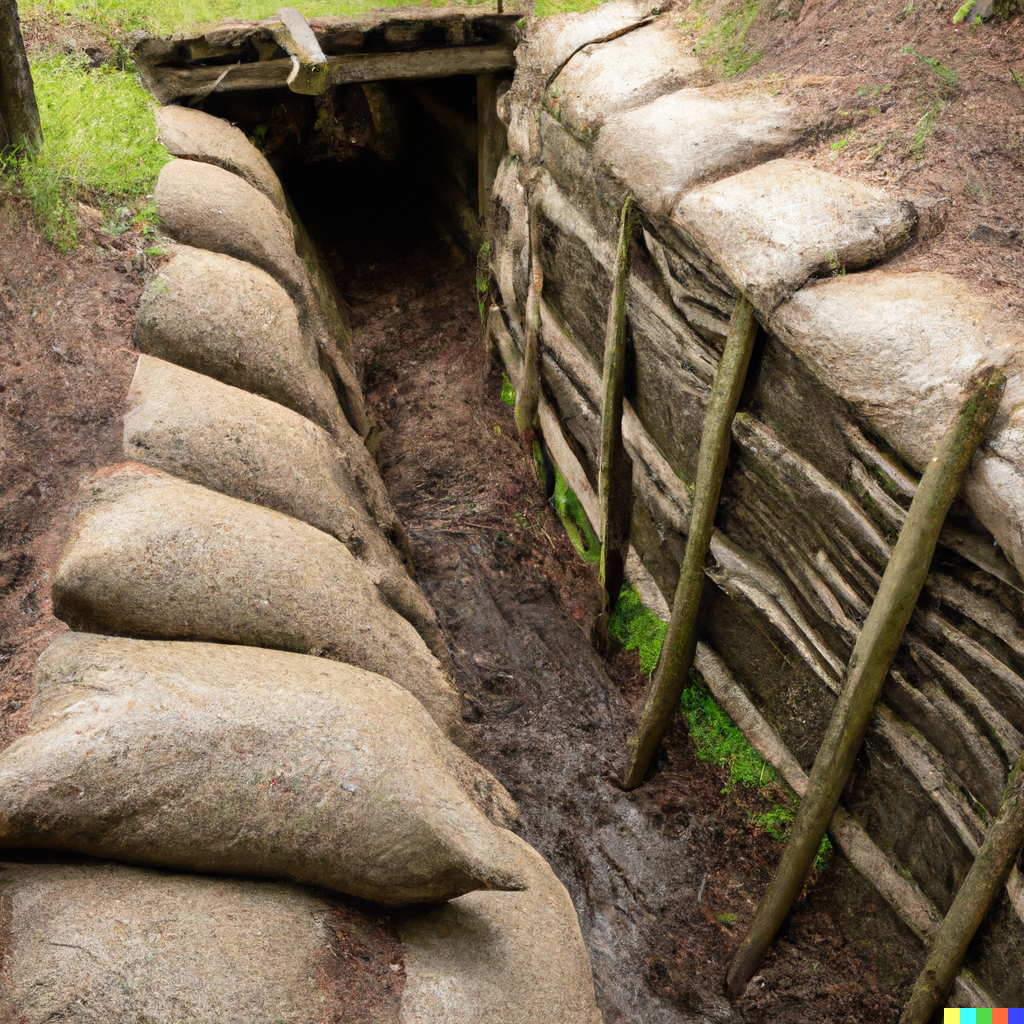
{"x": 19, "y": 115}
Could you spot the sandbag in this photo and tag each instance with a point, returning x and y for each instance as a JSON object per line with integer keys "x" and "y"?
{"x": 154, "y": 556}
{"x": 95, "y": 943}
{"x": 194, "y": 135}
{"x": 239, "y": 444}
{"x": 232, "y": 759}
{"x": 234, "y": 322}
{"x": 207, "y": 207}
{"x": 499, "y": 958}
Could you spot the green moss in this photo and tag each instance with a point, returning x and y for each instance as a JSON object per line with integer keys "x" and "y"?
{"x": 508, "y": 393}
{"x": 637, "y": 628}
{"x": 717, "y": 740}
{"x": 99, "y": 146}
{"x": 574, "y": 519}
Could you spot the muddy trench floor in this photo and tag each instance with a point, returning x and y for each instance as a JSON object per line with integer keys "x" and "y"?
{"x": 663, "y": 879}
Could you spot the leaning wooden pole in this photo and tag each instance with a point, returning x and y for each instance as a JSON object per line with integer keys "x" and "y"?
{"x": 19, "y": 113}
{"x": 528, "y": 394}
{"x": 615, "y": 473}
{"x": 987, "y": 876}
{"x": 869, "y": 664}
{"x": 681, "y": 638}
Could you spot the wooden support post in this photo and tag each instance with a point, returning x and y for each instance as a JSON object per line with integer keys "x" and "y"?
{"x": 615, "y": 473}
{"x": 681, "y": 639}
{"x": 19, "y": 113}
{"x": 987, "y": 876}
{"x": 528, "y": 395}
{"x": 308, "y": 75}
{"x": 869, "y": 664}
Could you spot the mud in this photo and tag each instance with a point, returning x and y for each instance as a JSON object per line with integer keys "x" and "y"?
{"x": 663, "y": 879}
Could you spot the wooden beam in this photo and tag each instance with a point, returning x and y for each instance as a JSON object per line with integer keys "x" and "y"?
{"x": 172, "y": 83}
{"x": 309, "y": 65}
{"x": 615, "y": 474}
{"x": 989, "y": 872}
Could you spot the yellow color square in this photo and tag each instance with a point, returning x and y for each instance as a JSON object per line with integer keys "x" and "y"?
{"x": 951, "y": 1015}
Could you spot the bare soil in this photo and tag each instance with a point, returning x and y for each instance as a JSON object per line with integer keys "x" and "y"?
{"x": 65, "y": 336}
{"x": 949, "y": 137}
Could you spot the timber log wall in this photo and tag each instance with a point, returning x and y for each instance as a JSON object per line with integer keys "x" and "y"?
{"x": 857, "y": 374}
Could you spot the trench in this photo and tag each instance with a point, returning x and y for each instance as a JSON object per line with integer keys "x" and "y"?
{"x": 384, "y": 178}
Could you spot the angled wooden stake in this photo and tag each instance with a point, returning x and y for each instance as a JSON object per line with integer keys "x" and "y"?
{"x": 869, "y": 664}
{"x": 528, "y": 395}
{"x": 987, "y": 876}
{"x": 681, "y": 639}
{"x": 615, "y": 473}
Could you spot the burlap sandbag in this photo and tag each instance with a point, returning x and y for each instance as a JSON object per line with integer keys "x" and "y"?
{"x": 233, "y": 759}
{"x": 499, "y": 958}
{"x": 194, "y": 135}
{"x": 234, "y": 322}
{"x": 99, "y": 943}
{"x": 207, "y": 207}
{"x": 153, "y": 556}
{"x": 239, "y": 444}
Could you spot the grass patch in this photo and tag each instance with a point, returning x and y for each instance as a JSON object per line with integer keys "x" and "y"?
{"x": 715, "y": 736}
{"x": 545, "y": 8}
{"x": 925, "y": 127}
{"x": 722, "y": 39}
{"x": 118, "y": 17}
{"x": 637, "y": 628}
{"x": 947, "y": 76}
{"x": 99, "y": 146}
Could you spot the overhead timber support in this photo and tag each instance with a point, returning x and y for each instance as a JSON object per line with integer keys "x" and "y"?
{"x": 286, "y": 51}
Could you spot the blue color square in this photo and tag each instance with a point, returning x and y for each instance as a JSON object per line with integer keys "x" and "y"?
{"x": 1014, "y": 1016}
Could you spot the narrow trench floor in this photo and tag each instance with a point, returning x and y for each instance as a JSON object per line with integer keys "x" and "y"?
{"x": 663, "y": 879}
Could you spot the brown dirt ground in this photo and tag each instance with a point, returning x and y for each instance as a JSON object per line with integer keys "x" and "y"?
{"x": 953, "y": 142}
{"x": 663, "y": 879}
{"x": 658, "y": 875}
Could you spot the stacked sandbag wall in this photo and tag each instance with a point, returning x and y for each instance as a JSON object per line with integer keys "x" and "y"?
{"x": 244, "y": 764}
{"x": 857, "y": 372}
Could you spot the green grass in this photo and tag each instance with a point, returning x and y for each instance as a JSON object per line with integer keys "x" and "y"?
{"x": 716, "y": 738}
{"x": 117, "y": 17}
{"x": 545, "y": 8}
{"x": 99, "y": 146}
{"x": 947, "y": 76}
{"x": 722, "y": 39}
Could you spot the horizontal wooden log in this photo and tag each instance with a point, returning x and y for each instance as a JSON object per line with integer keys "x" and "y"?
{"x": 173, "y": 83}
